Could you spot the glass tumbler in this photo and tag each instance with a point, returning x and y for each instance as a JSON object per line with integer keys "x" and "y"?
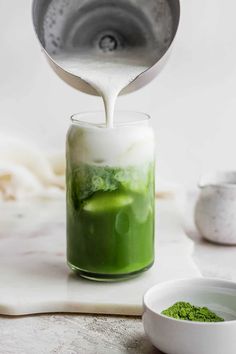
{"x": 110, "y": 196}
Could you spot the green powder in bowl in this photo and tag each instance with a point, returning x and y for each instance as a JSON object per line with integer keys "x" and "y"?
{"x": 187, "y": 312}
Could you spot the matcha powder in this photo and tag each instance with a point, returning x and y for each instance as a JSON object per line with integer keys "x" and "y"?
{"x": 187, "y": 312}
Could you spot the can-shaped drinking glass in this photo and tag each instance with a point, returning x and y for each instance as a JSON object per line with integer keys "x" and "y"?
{"x": 110, "y": 196}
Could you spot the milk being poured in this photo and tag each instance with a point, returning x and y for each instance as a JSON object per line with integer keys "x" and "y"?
{"x": 108, "y": 60}
{"x": 108, "y": 43}
{"x": 108, "y": 74}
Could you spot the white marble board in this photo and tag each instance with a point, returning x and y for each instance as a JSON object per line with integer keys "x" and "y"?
{"x": 34, "y": 277}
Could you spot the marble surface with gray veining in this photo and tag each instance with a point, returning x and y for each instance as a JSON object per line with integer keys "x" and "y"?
{"x": 34, "y": 277}
{"x": 89, "y": 334}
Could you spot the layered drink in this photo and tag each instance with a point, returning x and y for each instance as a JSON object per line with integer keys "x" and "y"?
{"x": 110, "y": 196}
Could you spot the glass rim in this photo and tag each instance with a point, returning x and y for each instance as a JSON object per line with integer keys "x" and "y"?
{"x": 77, "y": 119}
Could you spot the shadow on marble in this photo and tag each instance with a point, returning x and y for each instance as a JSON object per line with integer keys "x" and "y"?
{"x": 74, "y": 278}
{"x": 213, "y": 260}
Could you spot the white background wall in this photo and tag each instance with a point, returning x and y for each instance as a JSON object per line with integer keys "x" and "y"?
{"x": 192, "y": 102}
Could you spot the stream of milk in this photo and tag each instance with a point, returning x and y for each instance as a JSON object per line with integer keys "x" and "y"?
{"x": 108, "y": 74}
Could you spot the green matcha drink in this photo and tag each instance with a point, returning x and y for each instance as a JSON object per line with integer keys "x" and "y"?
{"x": 110, "y": 197}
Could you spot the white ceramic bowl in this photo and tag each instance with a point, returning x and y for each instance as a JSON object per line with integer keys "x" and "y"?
{"x": 185, "y": 337}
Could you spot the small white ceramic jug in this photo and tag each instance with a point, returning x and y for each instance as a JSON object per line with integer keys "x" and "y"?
{"x": 215, "y": 211}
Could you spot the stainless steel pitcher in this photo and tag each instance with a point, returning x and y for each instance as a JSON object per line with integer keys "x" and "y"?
{"x": 108, "y": 26}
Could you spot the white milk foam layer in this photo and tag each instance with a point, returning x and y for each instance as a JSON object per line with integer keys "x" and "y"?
{"x": 118, "y": 147}
{"x": 108, "y": 75}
